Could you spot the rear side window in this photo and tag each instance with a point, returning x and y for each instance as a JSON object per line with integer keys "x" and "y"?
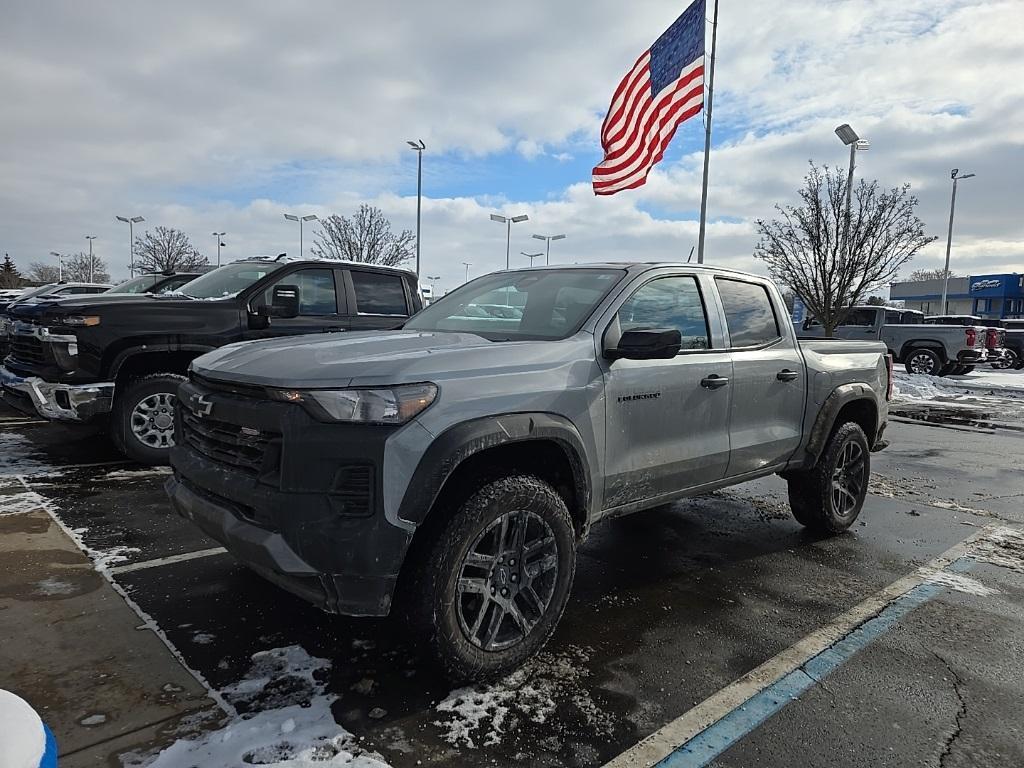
{"x": 668, "y": 302}
{"x": 748, "y": 313}
{"x": 378, "y": 294}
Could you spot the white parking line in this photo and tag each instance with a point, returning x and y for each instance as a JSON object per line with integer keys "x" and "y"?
{"x": 666, "y": 740}
{"x": 117, "y": 570}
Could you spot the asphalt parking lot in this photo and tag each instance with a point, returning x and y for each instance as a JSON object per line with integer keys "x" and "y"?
{"x": 671, "y": 610}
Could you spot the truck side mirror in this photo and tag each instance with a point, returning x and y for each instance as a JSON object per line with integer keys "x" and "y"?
{"x": 647, "y": 344}
{"x": 285, "y": 301}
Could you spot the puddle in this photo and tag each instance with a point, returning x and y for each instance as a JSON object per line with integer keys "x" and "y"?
{"x": 960, "y": 417}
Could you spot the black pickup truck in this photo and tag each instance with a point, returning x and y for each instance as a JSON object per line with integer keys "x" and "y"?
{"x": 122, "y": 356}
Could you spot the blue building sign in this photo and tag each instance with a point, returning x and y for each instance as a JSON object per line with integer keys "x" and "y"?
{"x": 997, "y": 296}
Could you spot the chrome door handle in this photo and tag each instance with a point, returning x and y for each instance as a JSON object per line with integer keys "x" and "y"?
{"x": 714, "y": 381}
{"x": 787, "y": 375}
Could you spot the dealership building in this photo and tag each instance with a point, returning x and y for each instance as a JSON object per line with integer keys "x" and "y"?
{"x": 988, "y": 296}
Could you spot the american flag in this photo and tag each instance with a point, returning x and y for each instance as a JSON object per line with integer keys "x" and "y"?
{"x": 664, "y": 88}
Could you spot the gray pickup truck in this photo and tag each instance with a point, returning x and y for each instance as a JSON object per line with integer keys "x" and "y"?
{"x": 938, "y": 350}
{"x": 454, "y": 466}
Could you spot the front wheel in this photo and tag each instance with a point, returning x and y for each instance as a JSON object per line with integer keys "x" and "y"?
{"x": 829, "y": 497}
{"x": 142, "y": 420}
{"x": 497, "y": 577}
{"x": 926, "y": 361}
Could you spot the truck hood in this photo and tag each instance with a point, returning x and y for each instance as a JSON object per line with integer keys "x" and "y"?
{"x": 94, "y": 304}
{"x": 375, "y": 358}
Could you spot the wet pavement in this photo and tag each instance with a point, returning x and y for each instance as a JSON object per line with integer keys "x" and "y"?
{"x": 669, "y": 607}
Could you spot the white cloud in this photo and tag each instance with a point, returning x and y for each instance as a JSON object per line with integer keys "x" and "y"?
{"x": 143, "y": 109}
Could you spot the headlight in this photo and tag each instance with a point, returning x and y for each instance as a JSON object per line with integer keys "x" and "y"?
{"x": 384, "y": 405}
{"x": 79, "y": 321}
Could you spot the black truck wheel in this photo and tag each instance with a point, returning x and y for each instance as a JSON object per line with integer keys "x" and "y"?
{"x": 925, "y": 361}
{"x": 142, "y": 420}
{"x": 496, "y": 578}
{"x": 828, "y": 497}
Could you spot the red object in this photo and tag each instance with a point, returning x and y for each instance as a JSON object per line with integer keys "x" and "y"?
{"x": 972, "y": 337}
{"x": 991, "y": 338}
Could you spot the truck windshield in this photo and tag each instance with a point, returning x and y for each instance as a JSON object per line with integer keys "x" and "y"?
{"x": 139, "y": 284}
{"x": 227, "y": 281}
{"x": 524, "y": 305}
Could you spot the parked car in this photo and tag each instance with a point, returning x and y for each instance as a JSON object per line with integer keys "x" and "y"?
{"x": 122, "y": 356}
{"x": 938, "y": 350}
{"x": 1013, "y": 345}
{"x": 155, "y": 282}
{"x": 48, "y": 292}
{"x": 455, "y": 465}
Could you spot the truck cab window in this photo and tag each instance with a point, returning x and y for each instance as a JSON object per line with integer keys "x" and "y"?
{"x": 668, "y": 302}
{"x": 317, "y": 295}
{"x": 378, "y": 294}
{"x": 748, "y": 313}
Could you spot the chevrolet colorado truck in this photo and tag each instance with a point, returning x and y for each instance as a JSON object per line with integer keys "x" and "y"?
{"x": 121, "y": 356}
{"x": 451, "y": 468}
{"x": 938, "y": 350}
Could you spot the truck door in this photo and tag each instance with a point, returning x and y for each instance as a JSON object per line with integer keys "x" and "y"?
{"x": 768, "y": 385}
{"x": 667, "y": 420}
{"x": 319, "y": 308}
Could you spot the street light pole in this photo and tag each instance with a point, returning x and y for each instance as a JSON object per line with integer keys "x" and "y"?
{"x": 955, "y": 175}
{"x": 467, "y": 265}
{"x": 849, "y": 137}
{"x": 60, "y": 266}
{"x": 131, "y": 222}
{"x": 548, "y": 239}
{"x": 218, "y": 235}
{"x": 418, "y": 147}
{"x": 92, "y": 271}
{"x": 531, "y": 256}
{"x": 301, "y": 220}
{"x": 509, "y": 221}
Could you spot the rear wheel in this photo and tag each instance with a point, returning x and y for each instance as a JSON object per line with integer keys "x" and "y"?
{"x": 496, "y": 578}
{"x": 1009, "y": 359}
{"x": 926, "y": 361}
{"x": 142, "y": 420}
{"x": 828, "y": 498}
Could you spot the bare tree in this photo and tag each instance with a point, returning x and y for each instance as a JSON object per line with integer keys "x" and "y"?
{"x": 166, "y": 249}
{"x": 931, "y": 274}
{"x": 832, "y": 264}
{"x": 40, "y": 272}
{"x": 876, "y": 301}
{"x": 366, "y": 237}
{"x": 76, "y": 268}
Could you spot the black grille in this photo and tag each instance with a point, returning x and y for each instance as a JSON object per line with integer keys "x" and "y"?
{"x": 27, "y": 349}
{"x": 352, "y": 490}
{"x": 231, "y": 444}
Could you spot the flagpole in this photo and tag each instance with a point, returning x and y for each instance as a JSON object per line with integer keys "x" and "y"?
{"x": 707, "y": 140}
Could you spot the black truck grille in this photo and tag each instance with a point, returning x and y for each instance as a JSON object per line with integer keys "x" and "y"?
{"x": 27, "y": 349}
{"x": 231, "y": 444}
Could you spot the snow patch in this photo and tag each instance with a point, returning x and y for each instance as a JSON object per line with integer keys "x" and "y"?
{"x": 960, "y": 583}
{"x": 19, "y": 501}
{"x": 481, "y": 715}
{"x": 16, "y": 456}
{"x": 52, "y": 585}
{"x": 135, "y": 474}
{"x": 286, "y": 722}
{"x": 203, "y": 638}
{"x": 1003, "y": 547}
{"x": 93, "y": 720}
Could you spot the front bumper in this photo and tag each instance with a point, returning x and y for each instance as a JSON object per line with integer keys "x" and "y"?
{"x": 60, "y": 402}
{"x": 298, "y": 501}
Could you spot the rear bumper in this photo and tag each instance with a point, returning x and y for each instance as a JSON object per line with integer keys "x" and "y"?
{"x": 60, "y": 402}
{"x": 972, "y": 356}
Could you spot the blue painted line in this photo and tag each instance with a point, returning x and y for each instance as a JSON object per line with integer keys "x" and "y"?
{"x": 715, "y": 739}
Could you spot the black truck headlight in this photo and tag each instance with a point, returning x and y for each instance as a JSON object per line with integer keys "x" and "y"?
{"x": 372, "y": 405}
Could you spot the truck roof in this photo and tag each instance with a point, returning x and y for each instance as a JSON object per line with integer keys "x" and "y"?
{"x": 284, "y": 259}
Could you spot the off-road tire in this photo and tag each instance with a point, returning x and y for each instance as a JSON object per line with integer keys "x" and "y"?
{"x": 125, "y": 404}
{"x": 811, "y": 491}
{"x": 919, "y": 359}
{"x": 435, "y": 603}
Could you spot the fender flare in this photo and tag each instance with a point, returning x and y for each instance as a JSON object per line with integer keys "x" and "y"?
{"x": 144, "y": 349}
{"x": 912, "y": 344}
{"x": 840, "y": 397}
{"x": 456, "y": 444}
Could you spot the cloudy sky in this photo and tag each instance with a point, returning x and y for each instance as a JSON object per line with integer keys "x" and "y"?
{"x": 223, "y": 116}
